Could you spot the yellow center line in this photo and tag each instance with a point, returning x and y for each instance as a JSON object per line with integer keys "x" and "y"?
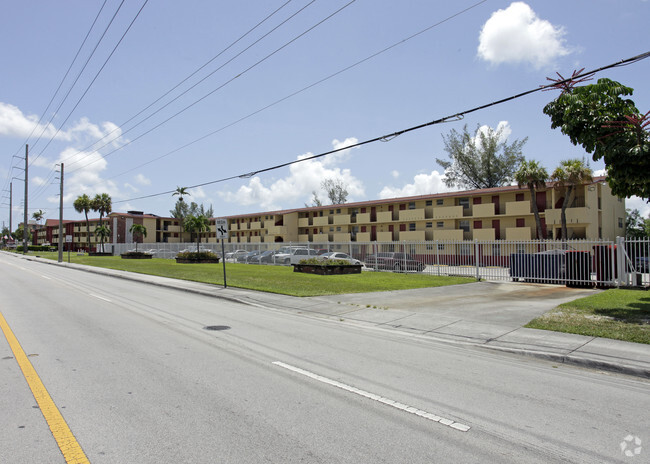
{"x": 68, "y": 444}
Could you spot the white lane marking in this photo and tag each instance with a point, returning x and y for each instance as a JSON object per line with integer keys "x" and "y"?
{"x": 46, "y": 277}
{"x": 100, "y": 297}
{"x": 379, "y": 398}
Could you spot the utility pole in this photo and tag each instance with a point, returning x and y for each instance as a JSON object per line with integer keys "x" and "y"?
{"x": 61, "y": 218}
{"x": 26, "y": 228}
{"x": 11, "y": 229}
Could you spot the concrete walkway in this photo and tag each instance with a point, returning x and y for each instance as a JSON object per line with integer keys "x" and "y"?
{"x": 490, "y": 315}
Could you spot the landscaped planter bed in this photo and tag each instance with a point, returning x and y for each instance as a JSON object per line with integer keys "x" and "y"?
{"x": 136, "y": 255}
{"x": 328, "y": 270}
{"x": 197, "y": 261}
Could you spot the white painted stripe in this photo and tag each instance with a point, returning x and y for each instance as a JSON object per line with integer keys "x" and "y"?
{"x": 46, "y": 277}
{"x": 379, "y": 398}
{"x": 100, "y": 297}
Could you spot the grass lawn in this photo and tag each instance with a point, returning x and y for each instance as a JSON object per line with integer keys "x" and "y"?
{"x": 620, "y": 314}
{"x": 273, "y": 279}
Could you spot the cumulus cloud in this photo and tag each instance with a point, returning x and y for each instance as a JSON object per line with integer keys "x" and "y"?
{"x": 423, "y": 184}
{"x": 14, "y": 123}
{"x": 304, "y": 178}
{"x": 395, "y": 174}
{"x": 518, "y": 35}
{"x": 635, "y": 202}
{"x": 142, "y": 179}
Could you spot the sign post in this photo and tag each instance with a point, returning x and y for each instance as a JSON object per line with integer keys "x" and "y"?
{"x": 222, "y": 234}
{"x": 68, "y": 239}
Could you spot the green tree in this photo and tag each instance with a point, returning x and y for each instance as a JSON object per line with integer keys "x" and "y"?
{"x": 635, "y": 224}
{"x": 103, "y": 204}
{"x": 608, "y": 126}
{"x": 567, "y": 177}
{"x": 197, "y": 225}
{"x": 181, "y": 192}
{"x": 138, "y": 231}
{"x": 480, "y": 160}
{"x": 336, "y": 190}
{"x": 534, "y": 176}
{"x": 38, "y": 215}
{"x": 18, "y": 234}
{"x": 83, "y": 203}
{"x": 103, "y": 232}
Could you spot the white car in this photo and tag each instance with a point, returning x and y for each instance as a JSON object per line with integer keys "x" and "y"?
{"x": 338, "y": 256}
{"x": 235, "y": 254}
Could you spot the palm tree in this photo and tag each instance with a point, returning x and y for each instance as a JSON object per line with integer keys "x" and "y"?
{"x": 83, "y": 203}
{"x": 181, "y": 192}
{"x": 103, "y": 204}
{"x": 138, "y": 230}
{"x": 38, "y": 215}
{"x": 197, "y": 224}
{"x": 534, "y": 176}
{"x": 568, "y": 176}
{"x": 103, "y": 233}
{"x": 182, "y": 207}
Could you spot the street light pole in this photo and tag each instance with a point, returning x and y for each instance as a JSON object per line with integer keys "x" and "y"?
{"x": 26, "y": 228}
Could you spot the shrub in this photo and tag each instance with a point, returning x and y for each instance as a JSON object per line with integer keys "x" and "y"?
{"x": 324, "y": 262}
{"x": 135, "y": 253}
{"x": 196, "y": 256}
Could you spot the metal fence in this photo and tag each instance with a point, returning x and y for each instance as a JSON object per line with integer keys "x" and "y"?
{"x": 623, "y": 262}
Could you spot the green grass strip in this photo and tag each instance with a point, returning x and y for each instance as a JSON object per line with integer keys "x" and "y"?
{"x": 621, "y": 314}
{"x": 273, "y": 279}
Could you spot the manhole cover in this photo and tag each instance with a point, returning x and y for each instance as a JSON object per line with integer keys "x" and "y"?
{"x": 217, "y": 327}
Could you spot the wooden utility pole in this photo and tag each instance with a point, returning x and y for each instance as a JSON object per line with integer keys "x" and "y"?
{"x": 61, "y": 218}
{"x": 26, "y": 226}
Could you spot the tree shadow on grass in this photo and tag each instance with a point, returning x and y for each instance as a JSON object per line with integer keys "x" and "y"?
{"x": 634, "y": 313}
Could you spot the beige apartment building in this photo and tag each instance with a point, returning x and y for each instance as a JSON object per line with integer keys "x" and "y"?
{"x": 486, "y": 214}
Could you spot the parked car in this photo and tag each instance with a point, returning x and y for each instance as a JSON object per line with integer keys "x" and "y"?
{"x": 641, "y": 264}
{"x": 248, "y": 256}
{"x": 338, "y": 256}
{"x": 257, "y": 259}
{"x": 235, "y": 254}
{"x": 284, "y": 253}
{"x": 393, "y": 261}
{"x": 299, "y": 254}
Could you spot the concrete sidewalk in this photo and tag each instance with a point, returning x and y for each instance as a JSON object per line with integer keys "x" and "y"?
{"x": 485, "y": 314}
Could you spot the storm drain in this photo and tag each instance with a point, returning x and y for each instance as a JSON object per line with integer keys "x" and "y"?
{"x": 216, "y": 327}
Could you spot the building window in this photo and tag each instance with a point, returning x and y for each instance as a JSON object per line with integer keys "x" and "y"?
{"x": 412, "y": 226}
{"x": 441, "y": 246}
{"x": 464, "y": 202}
{"x": 440, "y": 224}
{"x": 521, "y": 222}
{"x": 620, "y": 223}
{"x": 519, "y": 197}
{"x": 338, "y": 229}
{"x": 429, "y": 225}
{"x": 338, "y": 211}
{"x": 412, "y": 205}
{"x": 464, "y": 225}
{"x": 439, "y": 202}
{"x": 429, "y": 203}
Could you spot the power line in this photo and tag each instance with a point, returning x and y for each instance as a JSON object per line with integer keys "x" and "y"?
{"x": 222, "y": 85}
{"x": 293, "y": 94}
{"x": 388, "y": 137}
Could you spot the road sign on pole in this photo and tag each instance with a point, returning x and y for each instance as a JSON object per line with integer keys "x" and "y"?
{"x": 222, "y": 228}
{"x": 222, "y": 234}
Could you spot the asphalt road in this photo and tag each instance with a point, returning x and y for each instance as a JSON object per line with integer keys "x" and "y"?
{"x": 137, "y": 377}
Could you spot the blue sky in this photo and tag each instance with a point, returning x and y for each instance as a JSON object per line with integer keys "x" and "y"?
{"x": 250, "y": 117}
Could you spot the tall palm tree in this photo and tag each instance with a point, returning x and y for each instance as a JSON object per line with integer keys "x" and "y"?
{"x": 197, "y": 224}
{"x": 568, "y": 176}
{"x": 534, "y": 176}
{"x": 103, "y": 204}
{"x": 181, "y": 192}
{"x": 38, "y": 215}
{"x": 138, "y": 230}
{"x": 83, "y": 203}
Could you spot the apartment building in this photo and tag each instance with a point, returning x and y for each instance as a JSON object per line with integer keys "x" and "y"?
{"x": 502, "y": 213}
{"x": 486, "y": 214}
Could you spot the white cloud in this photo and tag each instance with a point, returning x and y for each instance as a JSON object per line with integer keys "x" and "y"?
{"x": 423, "y": 184}
{"x": 640, "y": 204}
{"x": 395, "y": 174}
{"x": 14, "y": 123}
{"x": 517, "y": 35}
{"x": 142, "y": 179}
{"x": 304, "y": 178}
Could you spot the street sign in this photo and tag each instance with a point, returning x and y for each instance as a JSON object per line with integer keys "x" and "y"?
{"x": 68, "y": 239}
{"x": 222, "y": 228}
